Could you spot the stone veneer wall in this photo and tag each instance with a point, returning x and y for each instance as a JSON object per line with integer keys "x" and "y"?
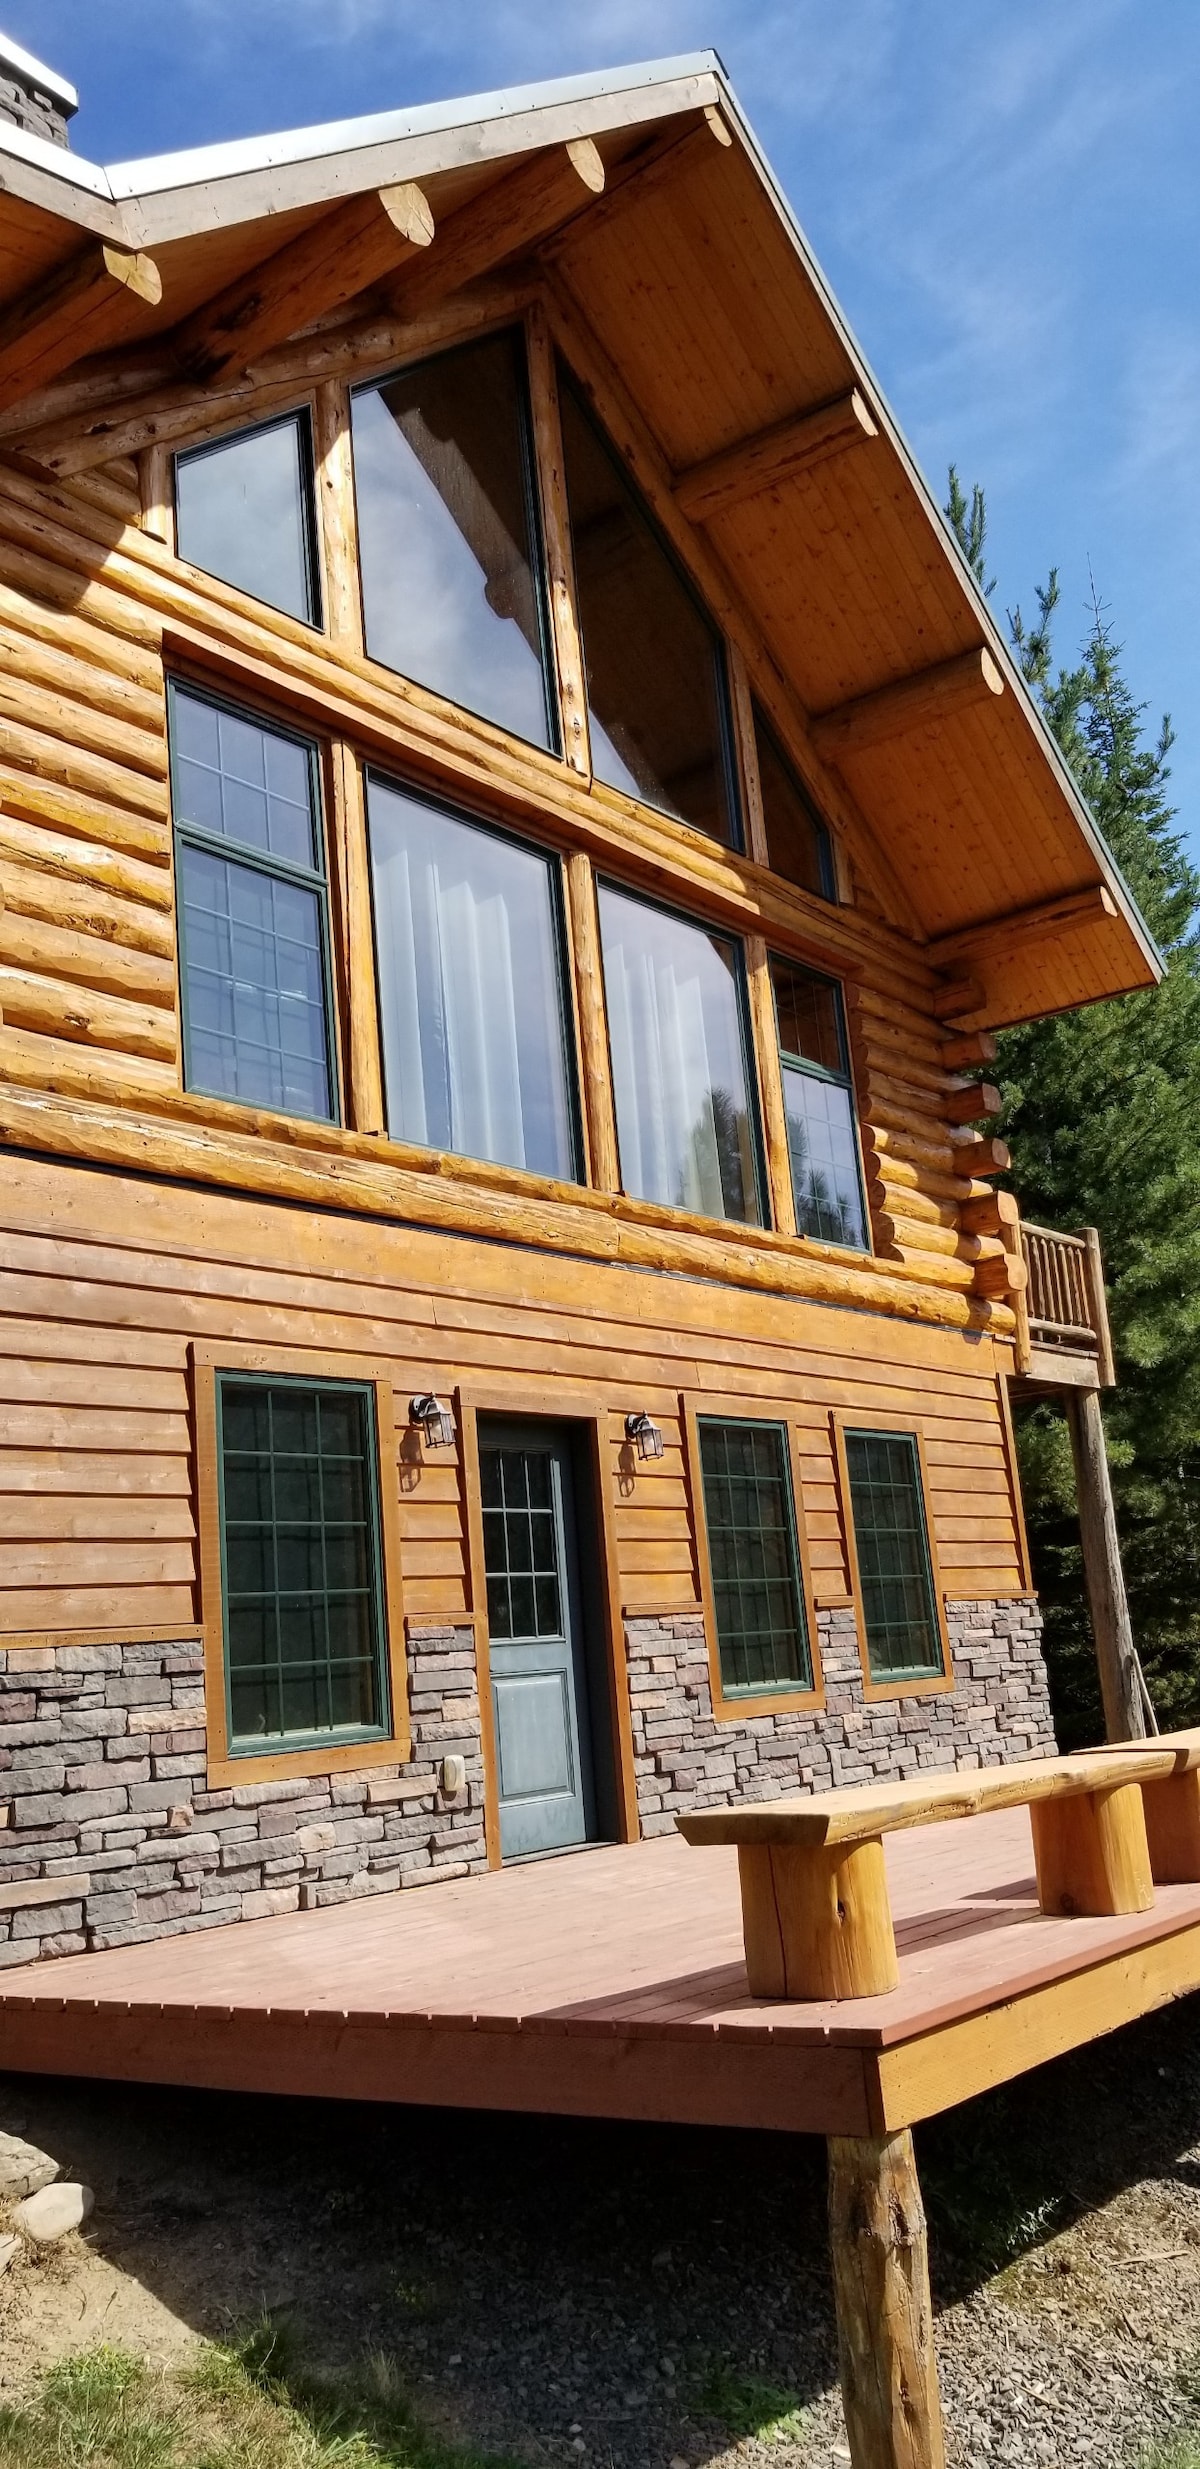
{"x": 113, "y": 1837}
{"x": 998, "y": 1709}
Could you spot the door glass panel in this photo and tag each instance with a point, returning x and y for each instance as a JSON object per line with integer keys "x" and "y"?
{"x": 654, "y": 665}
{"x": 244, "y": 511}
{"x": 680, "y": 1076}
{"x": 472, "y": 1005}
{"x": 447, "y": 544}
{"x": 520, "y": 1544}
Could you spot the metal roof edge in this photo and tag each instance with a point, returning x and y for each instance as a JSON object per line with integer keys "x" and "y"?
{"x": 239, "y": 156}
{"x": 1113, "y": 879}
{"x": 14, "y": 56}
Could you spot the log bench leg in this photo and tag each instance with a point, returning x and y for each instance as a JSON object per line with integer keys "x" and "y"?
{"x": 1091, "y": 1852}
{"x": 884, "y": 2315}
{"x": 817, "y": 1921}
{"x": 1173, "y": 1828}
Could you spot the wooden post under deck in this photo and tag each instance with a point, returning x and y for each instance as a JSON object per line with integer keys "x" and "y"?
{"x": 1103, "y": 1574}
{"x": 884, "y": 2314}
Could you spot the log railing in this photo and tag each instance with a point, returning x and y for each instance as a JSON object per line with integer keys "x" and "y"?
{"x": 1068, "y": 1312}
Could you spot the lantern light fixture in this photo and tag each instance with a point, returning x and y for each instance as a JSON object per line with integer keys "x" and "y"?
{"x": 645, "y": 1434}
{"x": 434, "y": 1421}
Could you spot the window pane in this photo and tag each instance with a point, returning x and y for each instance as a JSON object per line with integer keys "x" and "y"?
{"x": 298, "y": 1511}
{"x": 893, "y": 1555}
{"x": 679, "y": 1061}
{"x": 449, "y": 564}
{"x": 762, "y": 1630}
{"x": 244, "y": 512}
{"x": 471, "y": 1001}
{"x": 241, "y": 781}
{"x": 653, "y": 661}
{"x": 797, "y": 841}
{"x": 809, "y": 1011}
{"x": 824, "y": 1159}
{"x": 254, "y": 986}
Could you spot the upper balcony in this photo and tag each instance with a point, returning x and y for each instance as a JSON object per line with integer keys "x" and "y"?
{"x": 1069, "y": 1343}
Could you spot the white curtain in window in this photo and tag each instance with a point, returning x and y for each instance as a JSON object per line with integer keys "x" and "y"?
{"x": 679, "y": 1075}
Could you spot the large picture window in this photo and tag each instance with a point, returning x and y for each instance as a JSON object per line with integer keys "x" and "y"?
{"x": 818, "y": 1099}
{"x": 753, "y": 1556}
{"x": 680, "y": 1060}
{"x": 447, "y": 533}
{"x": 891, "y": 1542}
{"x": 655, "y": 665}
{"x": 244, "y": 511}
{"x": 472, "y": 995}
{"x": 301, "y": 1561}
{"x": 253, "y": 910}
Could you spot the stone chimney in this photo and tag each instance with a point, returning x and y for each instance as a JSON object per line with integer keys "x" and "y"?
{"x": 33, "y": 97}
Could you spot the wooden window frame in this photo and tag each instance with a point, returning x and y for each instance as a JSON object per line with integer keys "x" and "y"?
{"x": 908, "y": 1427}
{"x": 226, "y": 1765}
{"x": 530, "y": 1402}
{"x": 743, "y": 1707}
{"x": 319, "y": 880}
{"x": 842, "y": 1080}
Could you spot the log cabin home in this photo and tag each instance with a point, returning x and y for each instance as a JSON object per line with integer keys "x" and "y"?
{"x": 517, "y": 833}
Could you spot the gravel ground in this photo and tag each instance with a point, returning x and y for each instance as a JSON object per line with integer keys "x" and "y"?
{"x": 607, "y": 2297}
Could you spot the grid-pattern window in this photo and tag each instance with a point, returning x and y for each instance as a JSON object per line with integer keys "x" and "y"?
{"x": 521, "y": 1543}
{"x": 301, "y": 1560}
{"x": 818, "y": 1099}
{"x": 253, "y": 912}
{"x": 892, "y": 1544}
{"x": 754, "y": 1559}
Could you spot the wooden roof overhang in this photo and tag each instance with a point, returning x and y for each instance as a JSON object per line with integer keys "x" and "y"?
{"x": 745, "y": 402}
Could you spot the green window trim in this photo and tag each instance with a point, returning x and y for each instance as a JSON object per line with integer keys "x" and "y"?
{"x": 890, "y": 1524}
{"x": 822, "y": 1118}
{"x": 755, "y": 1570}
{"x": 234, "y": 852}
{"x": 372, "y": 1666}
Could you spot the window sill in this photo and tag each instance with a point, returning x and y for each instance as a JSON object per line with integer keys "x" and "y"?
{"x": 753, "y": 1707}
{"x": 926, "y": 1684}
{"x": 276, "y": 1766}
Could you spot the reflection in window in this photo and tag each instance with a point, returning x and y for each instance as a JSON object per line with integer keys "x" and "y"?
{"x": 244, "y": 511}
{"x": 819, "y": 1102}
{"x": 892, "y": 1545}
{"x": 797, "y": 840}
{"x": 471, "y": 994}
{"x": 252, "y": 910}
{"x": 446, "y": 534}
{"x": 753, "y": 1557}
{"x": 654, "y": 665}
{"x": 300, "y": 1554}
{"x": 676, "y": 1026}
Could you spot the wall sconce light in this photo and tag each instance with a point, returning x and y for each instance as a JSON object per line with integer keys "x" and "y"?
{"x": 434, "y": 1422}
{"x": 645, "y": 1435}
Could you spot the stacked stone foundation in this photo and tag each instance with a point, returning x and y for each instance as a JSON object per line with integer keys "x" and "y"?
{"x": 998, "y": 1710}
{"x": 113, "y": 1834}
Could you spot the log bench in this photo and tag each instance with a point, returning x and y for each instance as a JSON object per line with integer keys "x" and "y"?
{"x": 816, "y": 1914}
{"x": 1172, "y": 1806}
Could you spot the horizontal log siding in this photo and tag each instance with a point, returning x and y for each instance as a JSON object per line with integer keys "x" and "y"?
{"x": 105, "y": 1284}
{"x": 88, "y": 993}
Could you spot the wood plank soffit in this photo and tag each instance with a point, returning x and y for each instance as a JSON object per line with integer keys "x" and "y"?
{"x": 761, "y": 462}
{"x": 910, "y": 703}
{"x": 64, "y": 315}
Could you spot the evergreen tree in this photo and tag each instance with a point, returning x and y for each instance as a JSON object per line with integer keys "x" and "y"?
{"x": 1102, "y": 1113}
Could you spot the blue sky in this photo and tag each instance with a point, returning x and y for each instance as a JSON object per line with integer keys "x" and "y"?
{"x": 1006, "y": 200}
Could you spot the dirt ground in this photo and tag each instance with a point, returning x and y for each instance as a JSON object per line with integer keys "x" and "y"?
{"x": 612, "y": 2297}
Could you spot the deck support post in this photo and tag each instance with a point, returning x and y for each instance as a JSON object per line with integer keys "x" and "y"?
{"x": 884, "y": 2315}
{"x": 1103, "y": 1575}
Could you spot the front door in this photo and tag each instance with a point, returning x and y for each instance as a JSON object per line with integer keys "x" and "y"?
{"x": 539, "y": 1685}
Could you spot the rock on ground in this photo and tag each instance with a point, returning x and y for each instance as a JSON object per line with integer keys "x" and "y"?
{"x": 23, "y": 2168}
{"x": 53, "y": 2211}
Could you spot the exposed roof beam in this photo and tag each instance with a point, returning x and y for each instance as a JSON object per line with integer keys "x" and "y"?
{"x": 355, "y": 246}
{"x": 891, "y": 711}
{"x": 1048, "y": 920}
{"x": 69, "y": 312}
{"x": 507, "y": 219}
{"x": 760, "y": 462}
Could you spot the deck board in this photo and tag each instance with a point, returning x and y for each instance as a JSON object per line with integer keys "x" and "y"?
{"x": 609, "y": 1982}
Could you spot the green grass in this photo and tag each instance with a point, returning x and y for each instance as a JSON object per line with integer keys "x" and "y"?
{"x": 249, "y": 2406}
{"x": 743, "y": 2405}
{"x": 1182, "y": 2452}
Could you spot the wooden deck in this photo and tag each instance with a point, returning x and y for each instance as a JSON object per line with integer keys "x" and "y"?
{"x": 611, "y": 1983}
